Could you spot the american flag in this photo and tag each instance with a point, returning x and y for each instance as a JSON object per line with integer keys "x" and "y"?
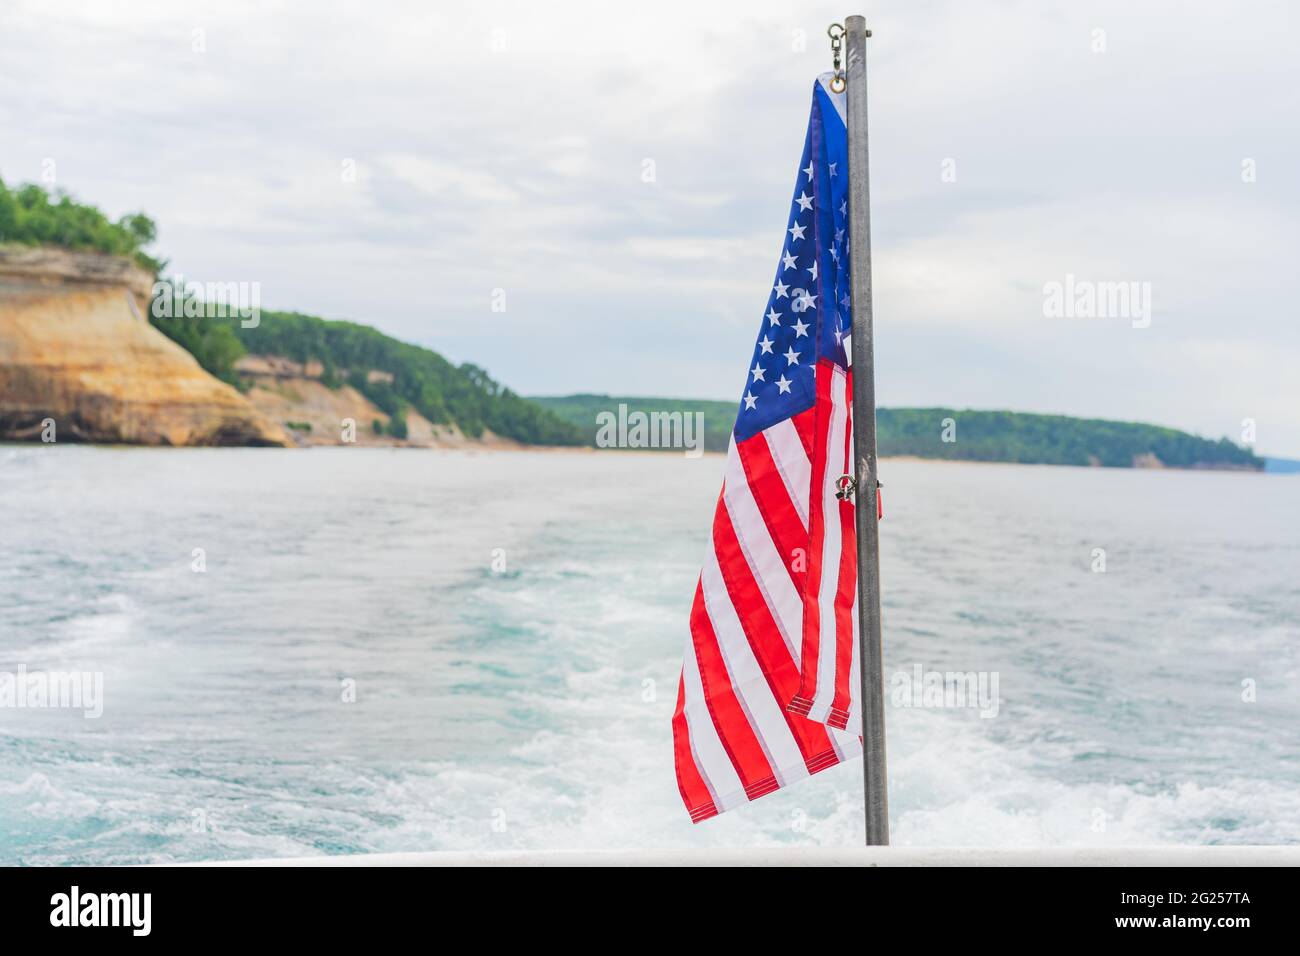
{"x": 770, "y": 679}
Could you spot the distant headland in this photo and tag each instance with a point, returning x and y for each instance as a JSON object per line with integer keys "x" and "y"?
{"x": 958, "y": 435}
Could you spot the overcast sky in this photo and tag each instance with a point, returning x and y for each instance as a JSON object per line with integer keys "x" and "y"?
{"x": 504, "y": 146}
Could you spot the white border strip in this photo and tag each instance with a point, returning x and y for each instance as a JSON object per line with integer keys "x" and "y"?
{"x": 836, "y": 98}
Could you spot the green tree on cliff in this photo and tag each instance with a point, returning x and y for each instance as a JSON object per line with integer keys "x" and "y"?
{"x": 213, "y": 344}
{"x": 414, "y": 378}
{"x": 31, "y": 216}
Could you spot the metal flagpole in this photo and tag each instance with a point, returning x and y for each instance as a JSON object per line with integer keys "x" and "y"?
{"x": 864, "y": 442}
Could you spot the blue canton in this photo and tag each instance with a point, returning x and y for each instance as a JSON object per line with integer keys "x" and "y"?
{"x": 808, "y": 316}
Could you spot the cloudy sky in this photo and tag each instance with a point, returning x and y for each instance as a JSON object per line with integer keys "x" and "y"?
{"x": 501, "y": 146}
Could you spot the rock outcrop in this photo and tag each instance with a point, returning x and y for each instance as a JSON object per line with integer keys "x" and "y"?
{"x": 295, "y": 395}
{"x": 76, "y": 347}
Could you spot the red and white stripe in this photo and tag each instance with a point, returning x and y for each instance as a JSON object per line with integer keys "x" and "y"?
{"x": 769, "y": 681}
{"x": 828, "y": 690}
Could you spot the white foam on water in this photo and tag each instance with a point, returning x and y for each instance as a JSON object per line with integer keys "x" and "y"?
{"x": 949, "y": 787}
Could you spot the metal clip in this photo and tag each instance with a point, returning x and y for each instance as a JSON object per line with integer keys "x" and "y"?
{"x": 836, "y": 32}
{"x": 846, "y": 486}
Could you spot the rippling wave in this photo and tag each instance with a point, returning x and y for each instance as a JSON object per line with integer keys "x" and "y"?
{"x": 511, "y": 625}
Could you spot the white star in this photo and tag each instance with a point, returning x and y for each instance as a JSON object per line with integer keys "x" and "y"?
{"x": 813, "y": 269}
{"x": 833, "y": 165}
{"x": 809, "y": 170}
{"x": 765, "y": 344}
{"x": 835, "y": 254}
{"x": 749, "y": 400}
{"x": 796, "y": 230}
{"x": 758, "y": 373}
{"x": 846, "y": 302}
{"x": 783, "y": 384}
{"x": 839, "y": 336}
{"x": 791, "y": 357}
{"x": 807, "y": 302}
{"x": 800, "y": 328}
{"x": 839, "y": 234}
{"x": 844, "y": 208}
{"x": 774, "y": 316}
{"x": 788, "y": 260}
{"x": 804, "y": 201}
{"x": 782, "y": 290}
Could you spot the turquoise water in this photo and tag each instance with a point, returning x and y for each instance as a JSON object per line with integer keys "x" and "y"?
{"x": 527, "y": 704}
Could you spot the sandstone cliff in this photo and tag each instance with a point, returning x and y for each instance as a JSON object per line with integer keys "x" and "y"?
{"x": 294, "y": 395}
{"x": 76, "y": 347}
